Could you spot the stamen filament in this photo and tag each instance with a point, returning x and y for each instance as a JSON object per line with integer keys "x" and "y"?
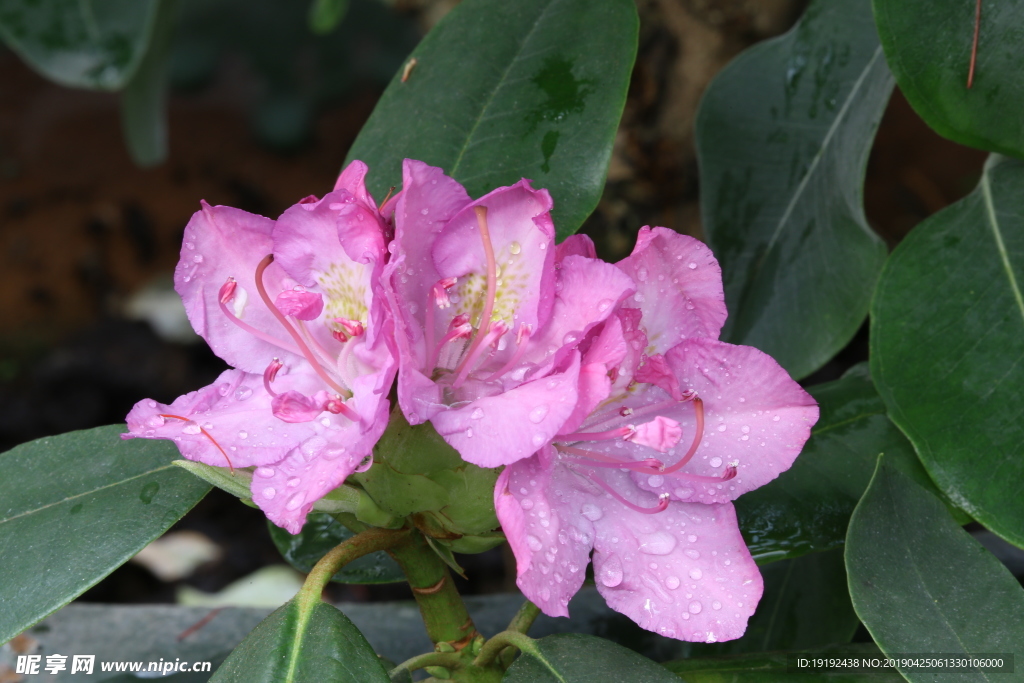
{"x": 207, "y": 435}
{"x": 641, "y": 411}
{"x": 290, "y": 348}
{"x": 522, "y": 337}
{"x": 324, "y": 354}
{"x": 698, "y": 410}
{"x": 647, "y": 466}
{"x": 459, "y": 331}
{"x": 610, "y": 435}
{"x": 730, "y": 473}
{"x": 473, "y": 355}
{"x": 492, "y": 284}
{"x": 292, "y": 331}
{"x": 270, "y": 374}
{"x": 662, "y": 499}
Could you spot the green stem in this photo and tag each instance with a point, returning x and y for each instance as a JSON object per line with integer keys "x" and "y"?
{"x": 446, "y": 659}
{"x": 441, "y": 606}
{"x": 369, "y": 541}
{"x": 499, "y": 642}
{"x": 524, "y": 618}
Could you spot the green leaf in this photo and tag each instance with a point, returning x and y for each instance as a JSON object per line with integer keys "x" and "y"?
{"x": 75, "y": 507}
{"x": 95, "y": 44}
{"x": 947, "y": 337}
{"x": 928, "y": 47}
{"x": 920, "y": 583}
{"x": 325, "y": 15}
{"x": 808, "y": 507}
{"x": 783, "y": 136}
{"x": 576, "y": 658}
{"x": 301, "y": 642}
{"x": 144, "y": 100}
{"x": 320, "y": 534}
{"x": 805, "y": 605}
{"x": 774, "y": 668}
{"x": 504, "y": 90}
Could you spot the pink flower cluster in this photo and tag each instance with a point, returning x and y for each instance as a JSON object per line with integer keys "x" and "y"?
{"x": 625, "y": 427}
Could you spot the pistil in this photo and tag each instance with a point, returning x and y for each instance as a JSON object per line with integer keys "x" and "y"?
{"x": 207, "y": 435}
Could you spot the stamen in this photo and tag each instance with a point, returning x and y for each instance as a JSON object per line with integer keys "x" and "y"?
{"x": 617, "y": 433}
{"x": 437, "y": 297}
{"x": 337, "y": 406}
{"x": 270, "y": 374}
{"x": 207, "y": 435}
{"x": 492, "y": 284}
{"x": 662, "y": 499}
{"x": 698, "y": 411}
{"x": 353, "y": 328}
{"x": 645, "y": 466}
{"x": 291, "y": 330}
{"x": 522, "y": 337}
{"x": 730, "y": 473}
{"x": 458, "y": 329}
{"x": 390, "y": 192}
{"x": 227, "y": 293}
{"x": 473, "y": 355}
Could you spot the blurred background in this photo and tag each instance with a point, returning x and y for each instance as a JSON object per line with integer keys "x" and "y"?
{"x": 261, "y": 113}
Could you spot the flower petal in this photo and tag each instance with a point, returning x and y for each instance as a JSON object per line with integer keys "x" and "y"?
{"x": 683, "y": 573}
{"x": 220, "y": 243}
{"x": 678, "y": 287}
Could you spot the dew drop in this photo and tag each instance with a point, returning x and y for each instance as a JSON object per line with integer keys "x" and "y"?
{"x": 526, "y": 503}
{"x": 692, "y": 538}
{"x": 191, "y": 428}
{"x": 242, "y": 393}
{"x": 695, "y": 574}
{"x": 721, "y": 428}
{"x": 533, "y": 542}
{"x": 672, "y": 582}
{"x": 243, "y": 434}
{"x": 716, "y": 605}
{"x": 745, "y": 429}
{"x": 611, "y": 571}
{"x": 693, "y": 554}
{"x": 265, "y": 472}
{"x": 269, "y": 493}
{"x": 592, "y": 512}
{"x": 538, "y": 439}
{"x": 156, "y": 421}
{"x": 658, "y": 543}
{"x": 656, "y": 480}
{"x": 693, "y": 265}
{"x": 295, "y": 501}
{"x": 715, "y": 462}
{"x": 538, "y": 414}
{"x": 604, "y": 304}
{"x": 515, "y": 248}
{"x": 293, "y": 482}
{"x": 476, "y": 414}
{"x": 683, "y": 494}
{"x": 424, "y": 211}
{"x": 695, "y": 607}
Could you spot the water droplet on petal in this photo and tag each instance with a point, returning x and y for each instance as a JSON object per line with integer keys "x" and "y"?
{"x": 592, "y": 512}
{"x": 672, "y": 582}
{"x": 191, "y": 428}
{"x": 715, "y": 462}
{"x": 683, "y": 494}
{"x": 293, "y": 482}
{"x": 265, "y": 472}
{"x": 533, "y": 542}
{"x": 156, "y": 421}
{"x": 716, "y": 605}
{"x": 469, "y": 433}
{"x": 658, "y": 543}
{"x": 693, "y": 554}
{"x": 526, "y": 503}
{"x": 269, "y": 493}
{"x": 515, "y": 248}
{"x": 538, "y": 414}
{"x": 695, "y": 607}
{"x": 242, "y": 393}
{"x": 243, "y": 434}
{"x": 695, "y": 574}
{"x": 692, "y": 265}
{"x": 295, "y": 501}
{"x": 692, "y": 538}
{"x": 721, "y": 428}
{"x": 656, "y": 480}
{"x": 476, "y": 414}
{"x": 611, "y": 571}
{"x": 538, "y": 439}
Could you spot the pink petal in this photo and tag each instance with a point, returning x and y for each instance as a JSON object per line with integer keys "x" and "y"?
{"x": 522, "y": 238}
{"x": 352, "y": 180}
{"x": 302, "y": 305}
{"x": 678, "y": 287}
{"x": 501, "y": 429}
{"x": 221, "y": 243}
{"x": 661, "y": 434}
{"x": 549, "y": 537}
{"x": 684, "y": 573}
{"x": 756, "y": 418}
{"x": 655, "y": 370}
{"x": 233, "y": 413}
{"x": 292, "y": 407}
{"x": 579, "y": 245}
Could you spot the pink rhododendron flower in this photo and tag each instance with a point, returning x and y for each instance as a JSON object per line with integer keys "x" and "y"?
{"x": 671, "y": 425}
{"x": 295, "y": 306}
{"x": 488, "y": 315}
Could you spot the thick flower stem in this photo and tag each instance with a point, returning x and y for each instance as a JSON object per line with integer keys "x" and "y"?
{"x": 448, "y": 659}
{"x": 444, "y": 613}
{"x": 493, "y": 647}
{"x": 369, "y": 541}
{"x": 524, "y": 618}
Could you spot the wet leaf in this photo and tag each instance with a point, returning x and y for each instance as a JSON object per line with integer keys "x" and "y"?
{"x": 783, "y": 135}
{"x": 576, "y": 658}
{"x": 500, "y": 91}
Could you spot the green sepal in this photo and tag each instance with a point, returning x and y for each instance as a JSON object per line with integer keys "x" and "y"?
{"x": 235, "y": 482}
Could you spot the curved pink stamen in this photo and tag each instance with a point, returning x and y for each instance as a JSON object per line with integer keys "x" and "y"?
{"x": 458, "y": 330}
{"x": 207, "y": 435}
{"x": 617, "y": 433}
{"x": 730, "y": 473}
{"x": 645, "y": 466}
{"x": 662, "y": 499}
{"x": 290, "y": 348}
{"x": 337, "y": 406}
{"x": 314, "y": 363}
{"x": 492, "y": 284}
{"x": 270, "y": 374}
{"x": 473, "y": 355}
{"x": 698, "y": 410}
{"x": 522, "y": 337}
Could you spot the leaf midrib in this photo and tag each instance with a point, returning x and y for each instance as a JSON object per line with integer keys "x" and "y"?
{"x": 498, "y": 86}
{"x": 85, "y": 493}
{"x": 993, "y": 221}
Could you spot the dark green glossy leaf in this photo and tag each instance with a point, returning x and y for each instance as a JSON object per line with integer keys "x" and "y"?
{"x": 320, "y": 534}
{"x": 506, "y": 90}
{"x": 774, "y": 668}
{"x": 928, "y": 47}
{"x": 783, "y": 136}
{"x": 805, "y": 605}
{"x": 576, "y": 658}
{"x": 808, "y": 507}
{"x": 75, "y": 507}
{"x": 144, "y": 100}
{"x": 947, "y": 337}
{"x": 299, "y": 643}
{"x": 920, "y": 583}
{"x": 80, "y": 43}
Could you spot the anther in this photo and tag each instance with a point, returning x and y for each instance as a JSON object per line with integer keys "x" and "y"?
{"x": 270, "y": 374}
{"x": 227, "y": 291}
{"x": 662, "y": 505}
{"x": 492, "y": 284}
{"x": 353, "y": 328}
{"x": 522, "y": 337}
